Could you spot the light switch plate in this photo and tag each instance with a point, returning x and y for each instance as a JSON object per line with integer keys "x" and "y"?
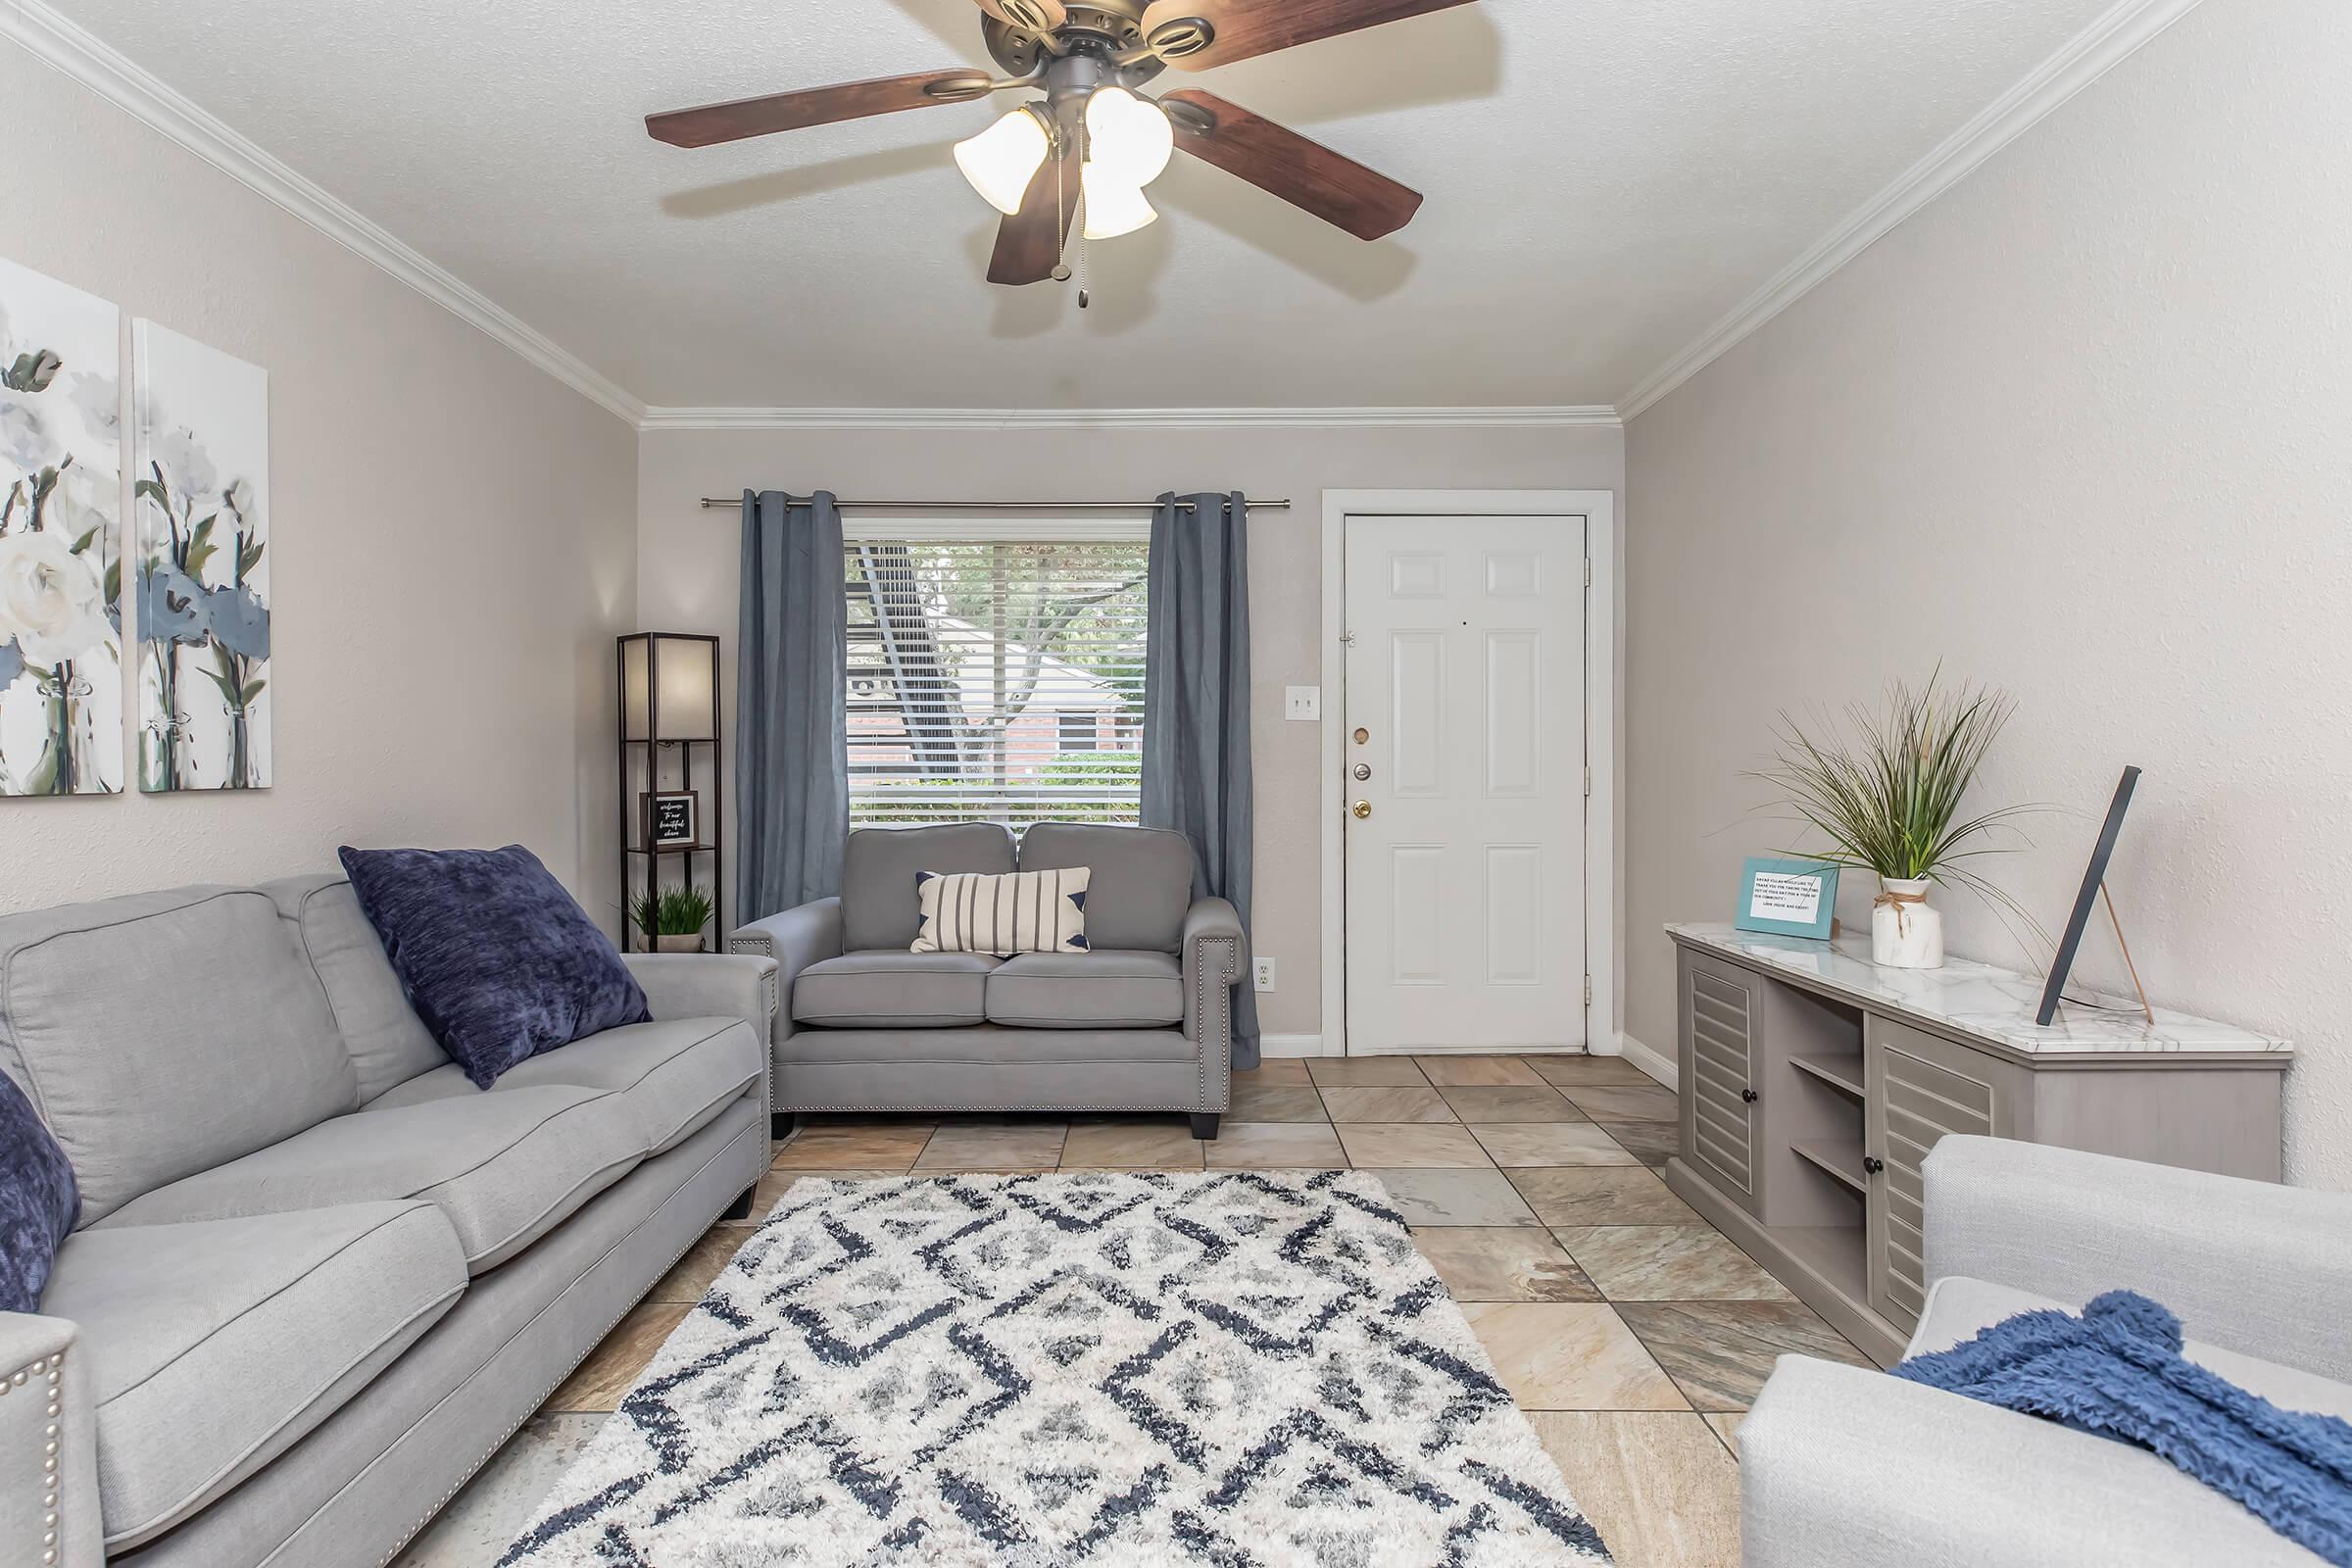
{"x": 1303, "y": 704}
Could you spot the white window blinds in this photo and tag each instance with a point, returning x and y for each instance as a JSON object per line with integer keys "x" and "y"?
{"x": 996, "y": 680}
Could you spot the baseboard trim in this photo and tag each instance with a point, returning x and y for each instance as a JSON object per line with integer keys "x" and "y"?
{"x": 1660, "y": 1067}
{"x": 1283, "y": 1047}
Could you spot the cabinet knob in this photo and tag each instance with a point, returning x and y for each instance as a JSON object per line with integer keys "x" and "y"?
{"x": 1872, "y": 1164}
{"x": 1749, "y": 1096}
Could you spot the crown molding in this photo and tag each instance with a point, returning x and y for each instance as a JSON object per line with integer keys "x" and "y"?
{"x": 2086, "y": 58}
{"x": 1110, "y": 418}
{"x": 61, "y": 43}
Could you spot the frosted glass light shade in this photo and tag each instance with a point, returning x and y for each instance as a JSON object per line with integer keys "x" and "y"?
{"x": 1001, "y": 160}
{"x": 1128, "y": 135}
{"x": 1113, "y": 207}
{"x": 676, "y": 702}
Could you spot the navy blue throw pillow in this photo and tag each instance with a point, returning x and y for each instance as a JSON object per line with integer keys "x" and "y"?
{"x": 497, "y": 958}
{"x": 39, "y": 1200}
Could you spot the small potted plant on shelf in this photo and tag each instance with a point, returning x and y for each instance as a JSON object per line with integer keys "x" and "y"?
{"x": 673, "y": 920}
{"x": 1889, "y": 800}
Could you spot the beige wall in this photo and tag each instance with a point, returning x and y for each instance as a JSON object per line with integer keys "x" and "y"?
{"x": 687, "y": 565}
{"x": 453, "y": 545}
{"x": 2083, "y": 428}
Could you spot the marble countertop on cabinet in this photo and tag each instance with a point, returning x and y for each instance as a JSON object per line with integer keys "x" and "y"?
{"x": 1976, "y": 1000}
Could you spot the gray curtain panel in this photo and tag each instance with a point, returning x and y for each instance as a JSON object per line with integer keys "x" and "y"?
{"x": 792, "y": 771}
{"x": 1197, "y": 705}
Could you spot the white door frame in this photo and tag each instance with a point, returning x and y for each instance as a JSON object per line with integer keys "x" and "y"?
{"x": 1598, "y": 508}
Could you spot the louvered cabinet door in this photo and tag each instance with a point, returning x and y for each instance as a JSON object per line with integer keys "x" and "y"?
{"x": 1918, "y": 1088}
{"x": 1723, "y": 1016}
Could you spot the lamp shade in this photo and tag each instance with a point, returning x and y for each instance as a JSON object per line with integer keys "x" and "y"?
{"x": 1112, "y": 207}
{"x": 1001, "y": 160}
{"x": 1129, "y": 136}
{"x": 668, "y": 687}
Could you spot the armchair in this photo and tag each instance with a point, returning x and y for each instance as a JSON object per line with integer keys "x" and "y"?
{"x": 1841, "y": 1466}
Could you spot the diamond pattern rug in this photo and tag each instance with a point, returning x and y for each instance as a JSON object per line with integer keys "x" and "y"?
{"x": 1126, "y": 1369}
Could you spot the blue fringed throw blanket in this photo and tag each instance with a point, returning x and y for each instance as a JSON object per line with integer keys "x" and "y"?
{"x": 2117, "y": 1372}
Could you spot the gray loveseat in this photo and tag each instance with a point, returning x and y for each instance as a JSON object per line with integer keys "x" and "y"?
{"x": 1847, "y": 1468}
{"x": 319, "y": 1277}
{"x": 1140, "y": 1022}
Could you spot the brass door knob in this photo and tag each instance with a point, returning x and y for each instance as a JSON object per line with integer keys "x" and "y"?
{"x": 1363, "y": 810}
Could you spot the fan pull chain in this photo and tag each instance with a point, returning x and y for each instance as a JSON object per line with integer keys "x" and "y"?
{"x": 1086, "y": 248}
{"x": 1061, "y": 224}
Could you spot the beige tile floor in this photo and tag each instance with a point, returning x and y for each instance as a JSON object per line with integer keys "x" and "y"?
{"x": 1632, "y": 1332}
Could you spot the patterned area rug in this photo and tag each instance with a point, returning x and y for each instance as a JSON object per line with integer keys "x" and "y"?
{"x": 1126, "y": 1369}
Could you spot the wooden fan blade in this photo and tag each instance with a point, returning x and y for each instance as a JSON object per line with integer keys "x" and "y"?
{"x": 819, "y": 106}
{"x": 1030, "y": 243}
{"x": 1247, "y": 27}
{"x": 1308, "y": 174}
{"x": 1029, "y": 16}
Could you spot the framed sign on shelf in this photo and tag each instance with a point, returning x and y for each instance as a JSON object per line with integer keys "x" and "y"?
{"x": 1788, "y": 897}
{"x": 672, "y": 819}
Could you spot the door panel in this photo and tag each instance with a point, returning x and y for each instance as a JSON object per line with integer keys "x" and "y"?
{"x": 1465, "y": 905}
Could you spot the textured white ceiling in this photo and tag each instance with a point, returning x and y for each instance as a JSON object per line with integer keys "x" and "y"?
{"x": 1606, "y": 179}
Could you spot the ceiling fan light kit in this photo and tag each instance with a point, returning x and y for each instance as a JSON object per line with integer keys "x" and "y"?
{"x": 1089, "y": 58}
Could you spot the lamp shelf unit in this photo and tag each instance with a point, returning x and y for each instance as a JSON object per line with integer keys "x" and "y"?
{"x": 670, "y": 744}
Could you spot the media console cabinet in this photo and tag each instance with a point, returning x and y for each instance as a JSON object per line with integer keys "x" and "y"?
{"x": 1814, "y": 1083}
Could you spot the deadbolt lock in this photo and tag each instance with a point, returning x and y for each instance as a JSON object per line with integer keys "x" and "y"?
{"x": 1363, "y": 771}
{"x": 1363, "y": 810}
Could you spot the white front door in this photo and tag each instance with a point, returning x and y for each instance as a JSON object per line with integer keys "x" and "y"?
{"x": 1464, "y": 771}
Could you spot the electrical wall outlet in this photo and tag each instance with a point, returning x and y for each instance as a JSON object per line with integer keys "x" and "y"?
{"x": 1303, "y": 704}
{"x": 1262, "y": 975}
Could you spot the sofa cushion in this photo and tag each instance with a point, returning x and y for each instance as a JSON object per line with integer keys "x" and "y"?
{"x": 877, "y": 875}
{"x": 1015, "y": 911}
{"x": 214, "y": 1347}
{"x": 497, "y": 958}
{"x": 1133, "y": 989}
{"x": 907, "y": 1052}
{"x": 1959, "y": 1308}
{"x": 165, "y": 1033}
{"x": 893, "y": 990}
{"x": 503, "y": 1168}
{"x": 38, "y": 1200}
{"x": 675, "y": 1075}
{"x": 1142, "y": 879}
{"x": 388, "y": 1043}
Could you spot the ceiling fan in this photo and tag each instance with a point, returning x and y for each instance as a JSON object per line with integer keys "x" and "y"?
{"x": 1094, "y": 140}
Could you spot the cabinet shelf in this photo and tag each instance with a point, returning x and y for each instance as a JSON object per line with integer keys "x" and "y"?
{"x": 676, "y": 849}
{"x": 1842, "y": 1073}
{"x": 1840, "y": 1161}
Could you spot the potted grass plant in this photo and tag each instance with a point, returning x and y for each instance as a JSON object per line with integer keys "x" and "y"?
{"x": 1889, "y": 796}
{"x": 673, "y": 920}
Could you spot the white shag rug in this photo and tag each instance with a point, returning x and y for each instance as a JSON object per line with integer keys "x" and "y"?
{"x": 1122, "y": 1368}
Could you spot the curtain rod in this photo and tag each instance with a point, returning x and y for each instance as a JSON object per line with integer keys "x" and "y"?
{"x": 711, "y": 503}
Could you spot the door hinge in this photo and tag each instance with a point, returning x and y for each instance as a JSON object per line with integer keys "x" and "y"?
{"x": 1587, "y": 571}
{"x": 1588, "y": 781}
{"x": 1588, "y": 991}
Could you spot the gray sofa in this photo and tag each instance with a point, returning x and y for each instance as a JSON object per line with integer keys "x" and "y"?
{"x": 319, "y": 1277}
{"x": 1140, "y": 1022}
{"x": 1847, "y": 1468}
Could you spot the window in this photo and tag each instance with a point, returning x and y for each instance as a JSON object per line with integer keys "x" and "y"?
{"x": 996, "y": 679}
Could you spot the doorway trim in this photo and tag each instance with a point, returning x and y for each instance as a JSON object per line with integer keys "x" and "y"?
{"x": 1604, "y": 910}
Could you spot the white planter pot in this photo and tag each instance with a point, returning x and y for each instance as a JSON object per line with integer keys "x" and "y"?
{"x": 1904, "y": 932}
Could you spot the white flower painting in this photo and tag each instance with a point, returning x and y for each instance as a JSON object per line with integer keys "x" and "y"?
{"x": 201, "y": 481}
{"x": 61, "y": 537}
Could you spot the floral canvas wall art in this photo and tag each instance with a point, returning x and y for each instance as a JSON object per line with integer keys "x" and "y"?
{"x": 200, "y": 478}
{"x": 61, "y": 536}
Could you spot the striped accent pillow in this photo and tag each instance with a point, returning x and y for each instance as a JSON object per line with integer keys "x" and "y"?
{"x": 1019, "y": 911}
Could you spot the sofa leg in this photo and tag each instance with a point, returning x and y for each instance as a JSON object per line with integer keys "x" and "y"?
{"x": 741, "y": 1208}
{"x": 1205, "y": 1128}
{"x": 781, "y": 1125}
